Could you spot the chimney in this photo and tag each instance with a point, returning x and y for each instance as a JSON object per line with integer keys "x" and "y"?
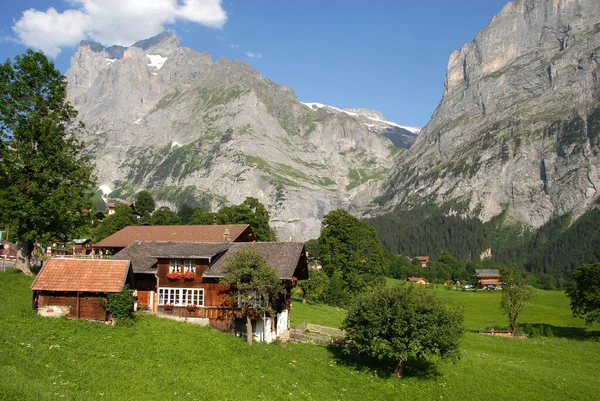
{"x": 227, "y": 235}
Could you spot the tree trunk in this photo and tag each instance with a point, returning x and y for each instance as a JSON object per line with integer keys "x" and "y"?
{"x": 248, "y": 330}
{"x": 23, "y": 251}
{"x": 399, "y": 371}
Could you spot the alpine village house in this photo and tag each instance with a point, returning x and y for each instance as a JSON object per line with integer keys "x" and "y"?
{"x": 175, "y": 272}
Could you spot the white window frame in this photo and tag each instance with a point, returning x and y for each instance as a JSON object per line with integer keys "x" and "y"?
{"x": 180, "y": 296}
{"x": 175, "y": 266}
{"x": 189, "y": 265}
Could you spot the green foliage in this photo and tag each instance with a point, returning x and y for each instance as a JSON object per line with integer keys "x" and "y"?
{"x": 360, "y": 176}
{"x": 164, "y": 217}
{"x": 144, "y": 202}
{"x": 121, "y": 218}
{"x": 585, "y": 293}
{"x": 202, "y": 217}
{"x": 45, "y": 181}
{"x": 185, "y": 213}
{"x": 517, "y": 293}
{"x": 120, "y": 306}
{"x": 315, "y": 288}
{"x": 392, "y": 324}
{"x": 350, "y": 254}
{"x": 252, "y": 212}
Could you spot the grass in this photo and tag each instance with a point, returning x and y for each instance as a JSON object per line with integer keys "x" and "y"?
{"x": 50, "y": 359}
{"x": 360, "y": 176}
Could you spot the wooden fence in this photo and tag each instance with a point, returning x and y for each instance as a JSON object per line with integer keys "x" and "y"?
{"x": 315, "y": 334}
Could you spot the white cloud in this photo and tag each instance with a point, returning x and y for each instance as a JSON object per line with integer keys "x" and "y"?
{"x": 120, "y": 22}
{"x": 234, "y": 46}
{"x": 254, "y": 55}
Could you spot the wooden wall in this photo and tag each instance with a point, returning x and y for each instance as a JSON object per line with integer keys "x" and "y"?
{"x": 89, "y": 304}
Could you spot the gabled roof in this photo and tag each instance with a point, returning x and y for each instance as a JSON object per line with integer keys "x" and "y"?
{"x": 145, "y": 254}
{"x": 284, "y": 257}
{"x": 415, "y": 279}
{"x": 209, "y": 233}
{"x": 82, "y": 275}
{"x": 483, "y": 273}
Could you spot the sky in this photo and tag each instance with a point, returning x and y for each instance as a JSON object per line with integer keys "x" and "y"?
{"x": 385, "y": 55}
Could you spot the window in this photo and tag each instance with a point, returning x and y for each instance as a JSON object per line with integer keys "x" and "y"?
{"x": 175, "y": 266}
{"x": 181, "y": 296}
{"x": 189, "y": 266}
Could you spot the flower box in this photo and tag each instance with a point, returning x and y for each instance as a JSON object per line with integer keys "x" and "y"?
{"x": 168, "y": 307}
{"x": 191, "y": 308}
{"x": 174, "y": 276}
{"x": 189, "y": 275}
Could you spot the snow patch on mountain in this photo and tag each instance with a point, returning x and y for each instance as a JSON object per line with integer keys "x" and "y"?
{"x": 156, "y": 61}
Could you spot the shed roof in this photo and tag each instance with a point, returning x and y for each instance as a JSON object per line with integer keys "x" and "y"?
{"x": 483, "y": 273}
{"x": 415, "y": 279}
{"x": 208, "y": 233}
{"x": 82, "y": 275}
{"x": 284, "y": 257}
{"x": 144, "y": 254}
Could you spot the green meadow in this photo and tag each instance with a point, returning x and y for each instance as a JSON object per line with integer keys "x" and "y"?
{"x": 158, "y": 359}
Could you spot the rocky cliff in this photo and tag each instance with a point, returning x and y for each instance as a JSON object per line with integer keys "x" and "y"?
{"x": 518, "y": 126}
{"x": 166, "y": 118}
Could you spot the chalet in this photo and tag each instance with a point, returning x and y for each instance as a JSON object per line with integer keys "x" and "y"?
{"x": 423, "y": 259}
{"x": 208, "y": 233}
{"x": 74, "y": 287}
{"x": 416, "y": 280}
{"x": 80, "y": 246}
{"x": 186, "y": 281}
{"x": 487, "y": 277}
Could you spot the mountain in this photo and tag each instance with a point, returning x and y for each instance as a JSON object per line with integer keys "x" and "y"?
{"x": 518, "y": 126}
{"x": 171, "y": 120}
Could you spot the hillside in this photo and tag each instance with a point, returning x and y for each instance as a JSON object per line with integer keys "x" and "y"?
{"x": 48, "y": 359}
{"x": 167, "y": 118}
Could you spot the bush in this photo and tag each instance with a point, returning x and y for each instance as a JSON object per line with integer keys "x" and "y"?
{"x": 120, "y": 306}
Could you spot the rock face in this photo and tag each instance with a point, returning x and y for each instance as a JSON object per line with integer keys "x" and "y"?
{"x": 166, "y": 118}
{"x": 519, "y": 122}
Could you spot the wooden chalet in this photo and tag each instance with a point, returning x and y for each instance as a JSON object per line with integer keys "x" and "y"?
{"x": 416, "y": 280}
{"x": 74, "y": 287}
{"x": 186, "y": 282}
{"x": 487, "y": 277}
{"x": 208, "y": 233}
{"x": 423, "y": 259}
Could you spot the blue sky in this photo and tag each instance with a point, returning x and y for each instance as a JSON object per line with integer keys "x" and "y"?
{"x": 386, "y": 55}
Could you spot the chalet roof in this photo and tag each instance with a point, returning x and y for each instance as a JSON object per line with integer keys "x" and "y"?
{"x": 284, "y": 257}
{"x": 80, "y": 241}
{"x": 82, "y": 275}
{"x": 145, "y": 254}
{"x": 415, "y": 279}
{"x": 208, "y": 233}
{"x": 426, "y": 258}
{"x": 484, "y": 273}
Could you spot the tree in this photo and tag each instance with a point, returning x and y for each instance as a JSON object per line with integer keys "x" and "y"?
{"x": 164, "y": 217}
{"x": 144, "y": 202}
{"x": 184, "y": 213}
{"x": 252, "y": 212}
{"x": 350, "y": 253}
{"x": 45, "y": 181}
{"x": 120, "y": 306}
{"x": 585, "y": 292}
{"x": 315, "y": 287}
{"x": 255, "y": 282}
{"x": 121, "y": 218}
{"x": 392, "y": 324}
{"x": 201, "y": 217}
{"x": 517, "y": 293}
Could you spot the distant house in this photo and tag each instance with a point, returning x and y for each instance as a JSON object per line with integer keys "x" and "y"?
{"x": 74, "y": 287}
{"x": 198, "y": 233}
{"x": 180, "y": 280}
{"x": 80, "y": 246}
{"x": 487, "y": 277}
{"x": 417, "y": 280}
{"x": 423, "y": 259}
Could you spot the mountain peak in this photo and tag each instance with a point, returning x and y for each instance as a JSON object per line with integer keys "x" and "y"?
{"x": 162, "y": 40}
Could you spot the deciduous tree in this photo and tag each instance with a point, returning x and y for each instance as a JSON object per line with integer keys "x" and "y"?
{"x": 392, "y": 324}
{"x": 164, "y": 217}
{"x": 45, "y": 181}
{"x": 256, "y": 285}
{"x": 585, "y": 292}
{"x": 144, "y": 202}
{"x": 517, "y": 293}
{"x": 121, "y": 218}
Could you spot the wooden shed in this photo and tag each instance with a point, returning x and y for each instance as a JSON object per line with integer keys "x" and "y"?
{"x": 74, "y": 287}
